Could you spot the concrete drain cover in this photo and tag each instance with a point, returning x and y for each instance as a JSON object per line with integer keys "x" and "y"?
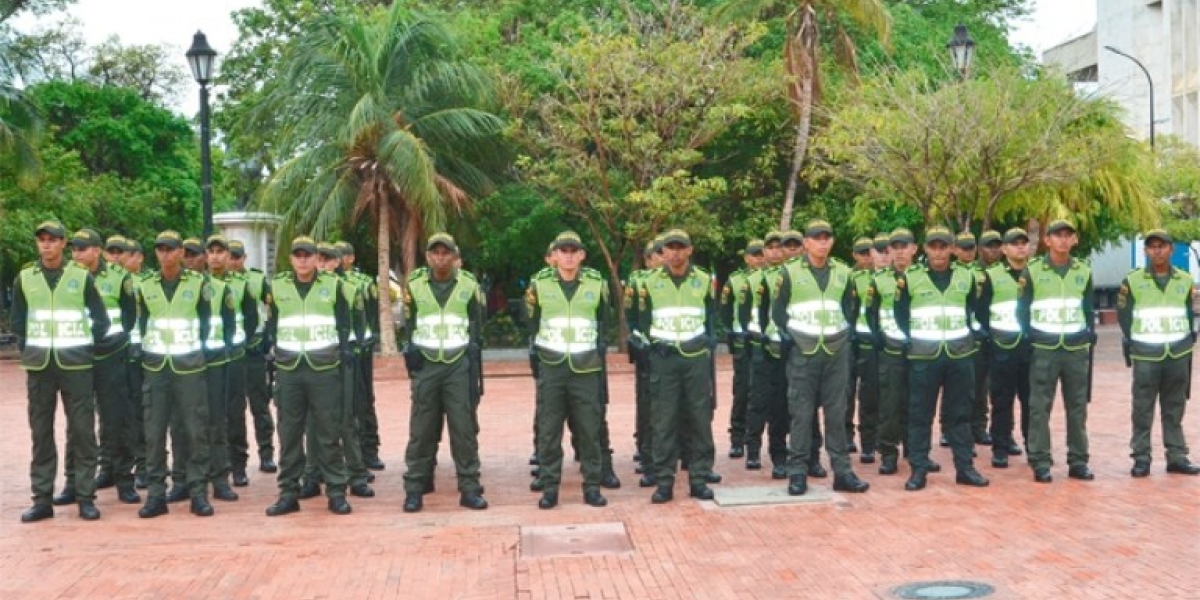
{"x": 574, "y": 540}
{"x": 943, "y": 590}
{"x": 774, "y": 494}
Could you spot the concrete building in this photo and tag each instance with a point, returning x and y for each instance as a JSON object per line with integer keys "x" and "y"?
{"x": 1164, "y": 35}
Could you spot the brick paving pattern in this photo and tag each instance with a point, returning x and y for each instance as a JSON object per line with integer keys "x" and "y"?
{"x": 1115, "y": 537}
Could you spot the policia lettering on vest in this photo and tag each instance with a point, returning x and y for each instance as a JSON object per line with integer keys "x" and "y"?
{"x": 445, "y": 313}
{"x": 1158, "y": 328}
{"x": 58, "y": 316}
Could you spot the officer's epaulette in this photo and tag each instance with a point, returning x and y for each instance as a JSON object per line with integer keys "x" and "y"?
{"x": 33, "y": 264}
{"x": 545, "y": 273}
{"x": 469, "y": 276}
{"x": 591, "y": 273}
{"x": 254, "y": 269}
{"x": 284, "y": 276}
{"x": 837, "y": 261}
{"x": 699, "y": 271}
{"x": 418, "y": 273}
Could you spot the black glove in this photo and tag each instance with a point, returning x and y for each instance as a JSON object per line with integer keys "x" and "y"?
{"x": 535, "y": 363}
{"x": 1126, "y": 349}
{"x": 413, "y": 359}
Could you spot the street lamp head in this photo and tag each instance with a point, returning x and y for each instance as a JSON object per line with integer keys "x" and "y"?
{"x": 201, "y": 57}
{"x": 962, "y": 49}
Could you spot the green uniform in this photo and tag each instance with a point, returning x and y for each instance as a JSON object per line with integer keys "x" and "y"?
{"x": 813, "y": 310}
{"x": 445, "y": 319}
{"x": 310, "y": 324}
{"x": 864, "y": 381}
{"x": 678, "y": 316}
{"x": 768, "y": 407}
{"x": 981, "y": 408}
{"x": 246, "y": 318}
{"x": 174, "y": 319}
{"x": 1010, "y": 354}
{"x": 364, "y": 400}
{"x": 258, "y": 390}
{"x": 219, "y": 353}
{"x": 1157, "y": 320}
{"x": 934, "y": 310}
{"x": 58, "y": 316}
{"x": 1055, "y": 308}
{"x": 643, "y": 425}
{"x": 889, "y": 340}
{"x": 567, "y": 332}
{"x": 733, "y": 294}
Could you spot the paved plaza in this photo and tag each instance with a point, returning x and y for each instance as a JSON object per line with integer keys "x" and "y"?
{"x": 1114, "y": 537}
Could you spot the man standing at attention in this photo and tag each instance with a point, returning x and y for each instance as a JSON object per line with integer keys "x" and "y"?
{"x": 444, "y": 307}
{"x": 58, "y": 316}
{"x": 1158, "y": 332}
{"x": 1055, "y": 308}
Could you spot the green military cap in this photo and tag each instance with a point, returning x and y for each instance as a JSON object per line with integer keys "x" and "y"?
{"x": 816, "y": 227}
{"x": 237, "y": 249}
{"x": 773, "y": 236}
{"x": 86, "y": 238}
{"x": 651, "y": 248}
{"x": 1059, "y": 225}
{"x": 346, "y": 248}
{"x": 169, "y": 238}
{"x": 567, "y": 239}
{"x": 116, "y": 242}
{"x": 882, "y": 241}
{"x": 965, "y": 240}
{"x": 792, "y": 235}
{"x": 1159, "y": 234}
{"x": 863, "y": 244}
{"x": 901, "y": 235}
{"x": 132, "y": 245}
{"x": 217, "y": 239}
{"x": 328, "y": 250}
{"x": 53, "y": 227}
{"x": 676, "y": 236}
{"x": 990, "y": 236}
{"x": 193, "y": 245}
{"x": 304, "y": 243}
{"x": 937, "y": 233}
{"x": 443, "y": 239}
{"x": 754, "y": 246}
{"x": 1014, "y": 234}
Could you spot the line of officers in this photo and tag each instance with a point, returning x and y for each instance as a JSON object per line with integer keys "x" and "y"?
{"x": 179, "y": 351}
{"x": 969, "y": 322}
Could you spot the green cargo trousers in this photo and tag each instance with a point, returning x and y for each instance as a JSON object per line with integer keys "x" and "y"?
{"x": 166, "y": 393}
{"x": 258, "y": 396}
{"x": 817, "y": 381}
{"x": 306, "y": 396}
{"x": 566, "y": 395}
{"x": 1166, "y": 382}
{"x": 893, "y": 403}
{"x": 680, "y": 406}
{"x": 1046, "y": 370}
{"x": 441, "y": 390}
{"x": 44, "y": 388}
{"x": 115, "y": 415}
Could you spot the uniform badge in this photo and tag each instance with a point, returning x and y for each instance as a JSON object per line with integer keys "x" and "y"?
{"x": 229, "y": 302}
{"x": 323, "y": 294}
{"x": 188, "y": 296}
{"x": 127, "y": 287}
{"x": 73, "y": 286}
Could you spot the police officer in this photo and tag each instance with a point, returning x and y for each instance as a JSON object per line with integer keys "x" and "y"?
{"x": 258, "y": 392}
{"x": 310, "y": 325}
{"x": 1010, "y": 354}
{"x": 174, "y": 310}
{"x": 967, "y": 254}
{"x": 768, "y": 407}
{"x": 679, "y": 318}
{"x": 864, "y": 380}
{"x": 1154, "y": 309}
{"x": 934, "y": 310}
{"x": 443, "y": 306}
{"x": 133, "y": 260}
{"x": 566, "y": 330}
{"x": 58, "y": 316}
{"x": 368, "y": 418}
{"x": 638, "y": 345}
{"x": 245, "y": 311}
{"x": 734, "y": 293}
{"x": 1055, "y": 308}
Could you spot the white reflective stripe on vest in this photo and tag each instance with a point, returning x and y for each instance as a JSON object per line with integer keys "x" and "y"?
{"x": 567, "y": 335}
{"x": 114, "y": 323}
{"x": 306, "y": 346}
{"x": 1004, "y": 316}
{"x": 445, "y": 331}
{"x": 1159, "y": 325}
{"x": 216, "y": 338}
{"x": 239, "y": 333}
{"x": 805, "y": 317}
{"x": 924, "y": 324}
{"x": 887, "y": 323}
{"x": 184, "y": 333}
{"x": 677, "y": 323}
{"x": 1057, "y": 315}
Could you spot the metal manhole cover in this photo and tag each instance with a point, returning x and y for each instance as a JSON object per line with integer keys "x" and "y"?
{"x": 943, "y": 590}
{"x": 574, "y": 540}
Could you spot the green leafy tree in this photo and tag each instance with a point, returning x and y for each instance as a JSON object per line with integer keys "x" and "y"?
{"x": 1177, "y": 184}
{"x": 381, "y": 120}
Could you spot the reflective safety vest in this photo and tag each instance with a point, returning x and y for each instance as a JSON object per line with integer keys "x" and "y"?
{"x": 1160, "y": 327}
{"x": 366, "y": 285}
{"x": 678, "y": 314}
{"x": 756, "y": 284}
{"x": 216, "y": 324}
{"x": 885, "y": 288}
{"x": 57, "y": 321}
{"x": 306, "y": 328}
{"x": 442, "y": 332}
{"x": 771, "y": 278}
{"x": 730, "y": 296}
{"x": 135, "y": 335}
{"x": 862, "y": 285}
{"x": 938, "y": 319}
{"x": 110, "y": 280}
{"x": 569, "y": 329}
{"x": 1056, "y": 318}
{"x": 1005, "y": 329}
{"x": 172, "y": 336}
{"x": 815, "y": 318}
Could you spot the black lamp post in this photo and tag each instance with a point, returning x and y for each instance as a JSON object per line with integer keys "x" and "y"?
{"x": 962, "y": 50}
{"x": 1149, "y": 81}
{"x": 201, "y": 57}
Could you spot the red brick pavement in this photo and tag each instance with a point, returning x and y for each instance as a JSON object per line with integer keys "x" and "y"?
{"x": 1112, "y": 538}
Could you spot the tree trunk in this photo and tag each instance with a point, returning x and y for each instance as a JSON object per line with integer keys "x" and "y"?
{"x": 387, "y": 327}
{"x": 801, "y": 61}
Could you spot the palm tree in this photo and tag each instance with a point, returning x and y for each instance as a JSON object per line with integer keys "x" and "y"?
{"x": 20, "y": 122}
{"x": 801, "y": 59}
{"x": 382, "y": 123}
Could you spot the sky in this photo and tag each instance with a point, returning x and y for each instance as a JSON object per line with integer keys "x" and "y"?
{"x": 174, "y": 22}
